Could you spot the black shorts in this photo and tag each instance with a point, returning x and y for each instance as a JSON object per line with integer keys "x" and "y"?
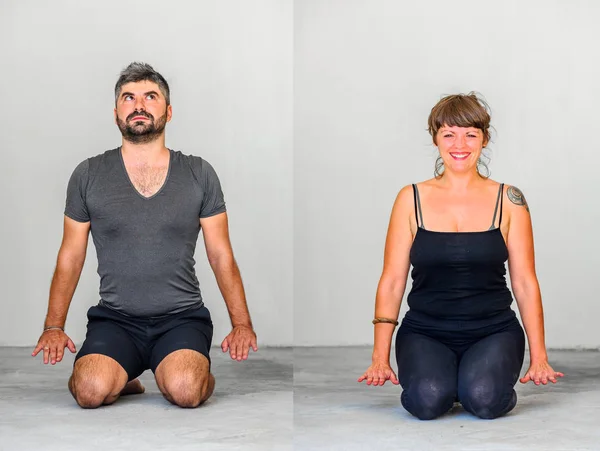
{"x": 138, "y": 344}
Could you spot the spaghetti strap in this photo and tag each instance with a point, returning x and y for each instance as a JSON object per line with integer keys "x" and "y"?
{"x": 499, "y": 200}
{"x": 415, "y": 202}
{"x": 418, "y": 212}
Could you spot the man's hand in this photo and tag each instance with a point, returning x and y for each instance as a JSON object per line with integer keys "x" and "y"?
{"x": 238, "y": 342}
{"x": 53, "y": 342}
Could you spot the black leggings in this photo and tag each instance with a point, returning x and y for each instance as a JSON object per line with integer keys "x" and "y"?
{"x": 481, "y": 376}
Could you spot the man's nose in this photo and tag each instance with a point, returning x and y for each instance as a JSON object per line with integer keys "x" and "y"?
{"x": 139, "y": 104}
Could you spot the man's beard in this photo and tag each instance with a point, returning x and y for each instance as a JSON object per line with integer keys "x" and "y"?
{"x": 142, "y": 132}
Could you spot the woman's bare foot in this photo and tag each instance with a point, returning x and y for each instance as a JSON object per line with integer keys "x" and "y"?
{"x": 133, "y": 387}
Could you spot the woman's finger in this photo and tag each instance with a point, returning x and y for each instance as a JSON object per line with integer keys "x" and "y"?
{"x": 387, "y": 375}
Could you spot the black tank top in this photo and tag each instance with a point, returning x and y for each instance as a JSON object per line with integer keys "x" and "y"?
{"x": 459, "y": 281}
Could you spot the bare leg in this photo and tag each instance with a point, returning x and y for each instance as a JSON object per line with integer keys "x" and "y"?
{"x": 184, "y": 379}
{"x": 99, "y": 380}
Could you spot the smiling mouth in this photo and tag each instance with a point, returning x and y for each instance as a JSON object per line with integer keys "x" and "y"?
{"x": 459, "y": 155}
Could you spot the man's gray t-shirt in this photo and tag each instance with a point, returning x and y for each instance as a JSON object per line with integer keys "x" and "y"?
{"x": 145, "y": 246}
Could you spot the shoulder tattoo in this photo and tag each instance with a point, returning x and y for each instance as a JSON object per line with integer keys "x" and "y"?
{"x": 516, "y": 197}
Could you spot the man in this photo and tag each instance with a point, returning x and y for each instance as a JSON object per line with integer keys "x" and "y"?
{"x": 145, "y": 205}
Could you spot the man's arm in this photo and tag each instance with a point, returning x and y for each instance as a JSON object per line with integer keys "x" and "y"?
{"x": 215, "y": 230}
{"x": 71, "y": 258}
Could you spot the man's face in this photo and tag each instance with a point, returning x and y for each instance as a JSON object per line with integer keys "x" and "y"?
{"x": 141, "y": 112}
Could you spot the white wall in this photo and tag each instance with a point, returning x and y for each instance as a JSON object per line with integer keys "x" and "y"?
{"x": 229, "y": 65}
{"x": 366, "y": 75}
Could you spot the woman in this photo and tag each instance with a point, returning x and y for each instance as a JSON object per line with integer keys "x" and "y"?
{"x": 460, "y": 340}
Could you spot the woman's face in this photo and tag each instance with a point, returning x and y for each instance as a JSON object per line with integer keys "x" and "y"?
{"x": 460, "y": 147}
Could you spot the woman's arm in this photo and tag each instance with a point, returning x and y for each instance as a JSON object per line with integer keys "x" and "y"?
{"x": 521, "y": 265}
{"x": 391, "y": 286}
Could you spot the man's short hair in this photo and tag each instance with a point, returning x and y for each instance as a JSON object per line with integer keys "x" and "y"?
{"x": 137, "y": 71}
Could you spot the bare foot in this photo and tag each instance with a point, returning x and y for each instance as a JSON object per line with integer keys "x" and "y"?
{"x": 133, "y": 387}
{"x": 210, "y": 387}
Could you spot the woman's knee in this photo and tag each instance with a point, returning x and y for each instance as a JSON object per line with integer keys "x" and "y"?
{"x": 427, "y": 399}
{"x": 487, "y": 400}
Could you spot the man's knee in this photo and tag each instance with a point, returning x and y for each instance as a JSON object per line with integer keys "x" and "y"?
{"x": 187, "y": 388}
{"x": 184, "y": 378}
{"x": 92, "y": 385}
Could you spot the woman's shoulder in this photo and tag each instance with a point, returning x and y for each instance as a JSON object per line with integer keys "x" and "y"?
{"x": 421, "y": 184}
{"x": 424, "y": 186}
{"x": 516, "y": 197}
{"x": 509, "y": 190}
{"x": 409, "y": 190}
{"x": 406, "y": 195}
{"x": 429, "y": 182}
{"x": 494, "y": 185}
{"x": 512, "y": 193}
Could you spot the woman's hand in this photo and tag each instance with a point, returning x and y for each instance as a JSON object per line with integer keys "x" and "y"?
{"x": 541, "y": 372}
{"x": 378, "y": 373}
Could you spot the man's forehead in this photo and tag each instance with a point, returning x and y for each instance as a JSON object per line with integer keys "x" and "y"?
{"x": 140, "y": 86}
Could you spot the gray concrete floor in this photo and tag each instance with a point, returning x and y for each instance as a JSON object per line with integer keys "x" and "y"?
{"x": 251, "y": 409}
{"x": 254, "y": 408}
{"x": 334, "y": 412}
